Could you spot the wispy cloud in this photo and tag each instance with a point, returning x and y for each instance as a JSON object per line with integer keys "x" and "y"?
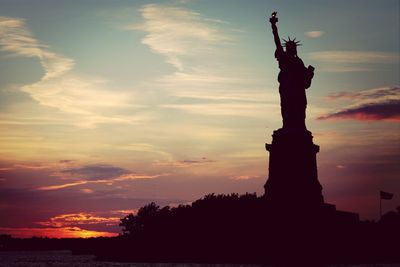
{"x": 374, "y": 104}
{"x": 186, "y": 163}
{"x": 146, "y": 148}
{"x": 177, "y": 32}
{"x": 81, "y": 218}
{"x": 92, "y": 174}
{"x": 74, "y": 94}
{"x": 95, "y": 172}
{"x": 346, "y": 69}
{"x": 352, "y": 61}
{"x": 203, "y": 82}
{"x": 226, "y": 109}
{"x": 124, "y": 177}
{"x": 355, "y": 57}
{"x": 62, "y": 186}
{"x": 215, "y": 85}
{"x": 386, "y": 111}
{"x": 314, "y": 34}
{"x": 16, "y": 38}
{"x": 244, "y": 177}
{"x": 382, "y": 93}
{"x": 87, "y": 98}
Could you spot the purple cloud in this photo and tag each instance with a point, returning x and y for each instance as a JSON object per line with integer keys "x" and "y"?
{"x": 387, "y": 111}
{"x": 96, "y": 172}
{"x": 375, "y": 104}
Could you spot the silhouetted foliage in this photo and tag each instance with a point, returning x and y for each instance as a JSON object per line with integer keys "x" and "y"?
{"x": 235, "y": 228}
{"x": 243, "y": 228}
{"x": 136, "y": 223}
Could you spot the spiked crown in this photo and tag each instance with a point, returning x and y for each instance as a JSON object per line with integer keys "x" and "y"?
{"x": 292, "y": 43}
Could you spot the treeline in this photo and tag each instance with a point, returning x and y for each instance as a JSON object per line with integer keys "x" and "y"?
{"x": 240, "y": 229}
{"x": 248, "y": 229}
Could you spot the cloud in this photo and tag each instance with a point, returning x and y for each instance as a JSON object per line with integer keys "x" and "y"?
{"x": 31, "y": 166}
{"x": 186, "y": 163}
{"x": 95, "y": 172}
{"x": 71, "y": 213}
{"x": 345, "y": 69}
{"x": 382, "y": 93}
{"x": 66, "y": 161}
{"x": 374, "y": 104}
{"x": 88, "y": 98}
{"x": 81, "y": 218}
{"x": 386, "y": 111}
{"x": 204, "y": 82}
{"x": 134, "y": 176}
{"x": 314, "y": 34}
{"x": 17, "y": 39}
{"x": 212, "y": 84}
{"x": 177, "y": 32}
{"x": 355, "y": 57}
{"x": 87, "y": 190}
{"x": 61, "y": 186}
{"x": 244, "y": 177}
{"x": 144, "y": 148}
{"x": 74, "y": 225}
{"x": 225, "y": 109}
{"x": 124, "y": 177}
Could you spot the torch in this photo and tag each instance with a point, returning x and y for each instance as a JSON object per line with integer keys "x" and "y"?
{"x": 273, "y": 19}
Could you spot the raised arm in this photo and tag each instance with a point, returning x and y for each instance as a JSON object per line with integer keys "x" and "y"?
{"x": 277, "y": 40}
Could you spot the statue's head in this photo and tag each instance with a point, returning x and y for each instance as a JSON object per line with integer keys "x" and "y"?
{"x": 291, "y": 46}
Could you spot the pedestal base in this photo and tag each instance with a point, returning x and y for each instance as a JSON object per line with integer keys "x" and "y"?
{"x": 293, "y": 177}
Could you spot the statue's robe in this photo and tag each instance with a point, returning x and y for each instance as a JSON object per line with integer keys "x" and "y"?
{"x": 294, "y": 78}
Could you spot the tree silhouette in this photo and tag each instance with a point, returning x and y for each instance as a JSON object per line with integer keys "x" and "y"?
{"x": 134, "y": 224}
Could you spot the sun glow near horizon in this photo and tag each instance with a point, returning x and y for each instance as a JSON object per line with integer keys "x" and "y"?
{"x": 64, "y": 232}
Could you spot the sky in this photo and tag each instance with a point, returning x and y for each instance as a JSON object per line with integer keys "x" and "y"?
{"x": 106, "y": 106}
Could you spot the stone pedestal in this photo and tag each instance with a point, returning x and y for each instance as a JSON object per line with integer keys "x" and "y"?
{"x": 293, "y": 176}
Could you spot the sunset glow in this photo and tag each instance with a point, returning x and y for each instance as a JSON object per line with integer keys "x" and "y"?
{"x": 64, "y": 232}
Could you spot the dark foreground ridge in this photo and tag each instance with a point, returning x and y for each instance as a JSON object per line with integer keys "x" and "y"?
{"x": 245, "y": 229}
{"x": 236, "y": 229}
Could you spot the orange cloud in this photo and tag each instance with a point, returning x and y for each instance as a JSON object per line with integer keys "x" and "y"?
{"x": 81, "y": 218}
{"x": 71, "y": 225}
{"x": 124, "y": 212}
{"x": 123, "y": 177}
{"x": 87, "y": 191}
{"x": 31, "y": 167}
{"x": 243, "y": 177}
{"x": 133, "y": 176}
{"x": 61, "y": 186}
{"x": 314, "y": 34}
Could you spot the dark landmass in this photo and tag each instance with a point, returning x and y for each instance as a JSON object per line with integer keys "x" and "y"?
{"x": 235, "y": 229}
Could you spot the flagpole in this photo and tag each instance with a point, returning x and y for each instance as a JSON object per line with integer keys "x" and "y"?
{"x": 380, "y": 207}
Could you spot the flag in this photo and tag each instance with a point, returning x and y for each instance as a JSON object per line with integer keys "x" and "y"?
{"x": 386, "y": 195}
